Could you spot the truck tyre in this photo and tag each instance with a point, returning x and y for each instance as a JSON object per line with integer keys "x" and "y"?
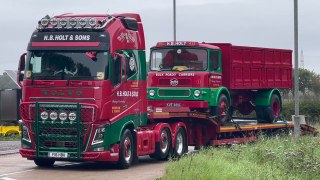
{"x": 163, "y": 147}
{"x": 44, "y": 162}
{"x": 126, "y": 150}
{"x": 269, "y": 114}
{"x": 222, "y": 110}
{"x": 180, "y": 143}
{"x": 272, "y": 113}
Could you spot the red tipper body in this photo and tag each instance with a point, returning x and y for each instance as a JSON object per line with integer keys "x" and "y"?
{"x": 254, "y": 67}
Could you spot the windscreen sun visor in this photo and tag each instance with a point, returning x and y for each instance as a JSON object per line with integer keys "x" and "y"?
{"x": 88, "y": 41}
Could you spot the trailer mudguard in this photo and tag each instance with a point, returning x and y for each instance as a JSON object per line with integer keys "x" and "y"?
{"x": 216, "y": 92}
{"x": 263, "y": 97}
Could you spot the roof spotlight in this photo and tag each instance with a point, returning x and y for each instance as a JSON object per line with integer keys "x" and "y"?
{"x": 54, "y": 22}
{"x": 44, "y": 22}
{"x": 83, "y": 22}
{"x": 63, "y": 22}
{"x": 92, "y": 22}
{"x": 73, "y": 22}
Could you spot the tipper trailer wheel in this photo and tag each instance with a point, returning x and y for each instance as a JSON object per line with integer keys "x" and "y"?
{"x": 44, "y": 162}
{"x": 270, "y": 113}
{"x": 163, "y": 147}
{"x": 222, "y": 110}
{"x": 180, "y": 142}
{"x": 126, "y": 150}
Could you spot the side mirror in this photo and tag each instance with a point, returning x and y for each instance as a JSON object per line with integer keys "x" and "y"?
{"x": 21, "y": 67}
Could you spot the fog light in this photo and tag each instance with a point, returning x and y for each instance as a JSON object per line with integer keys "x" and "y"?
{"x": 53, "y": 116}
{"x": 73, "y": 22}
{"x": 72, "y": 116}
{"x": 44, "y": 115}
{"x": 63, "y": 116}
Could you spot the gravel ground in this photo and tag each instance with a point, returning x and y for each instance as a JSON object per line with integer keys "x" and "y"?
{"x": 9, "y": 147}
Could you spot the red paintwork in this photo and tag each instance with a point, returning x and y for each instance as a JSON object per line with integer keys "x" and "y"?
{"x": 255, "y": 68}
{"x": 65, "y": 44}
{"x": 145, "y": 142}
{"x": 87, "y": 156}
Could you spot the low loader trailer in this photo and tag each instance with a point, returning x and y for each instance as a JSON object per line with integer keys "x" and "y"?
{"x": 84, "y": 84}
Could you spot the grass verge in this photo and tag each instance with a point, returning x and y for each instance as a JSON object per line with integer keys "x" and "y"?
{"x": 269, "y": 158}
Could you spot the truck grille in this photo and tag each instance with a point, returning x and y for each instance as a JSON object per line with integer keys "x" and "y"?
{"x": 174, "y": 92}
{"x": 59, "y": 132}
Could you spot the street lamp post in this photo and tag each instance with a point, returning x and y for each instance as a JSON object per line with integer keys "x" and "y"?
{"x": 174, "y": 20}
{"x": 297, "y": 117}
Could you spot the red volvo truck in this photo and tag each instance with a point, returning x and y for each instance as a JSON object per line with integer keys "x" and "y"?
{"x": 219, "y": 78}
{"x": 84, "y": 95}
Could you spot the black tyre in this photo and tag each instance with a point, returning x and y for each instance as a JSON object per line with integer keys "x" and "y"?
{"x": 126, "y": 150}
{"x": 163, "y": 147}
{"x": 270, "y": 113}
{"x": 222, "y": 110}
{"x": 44, "y": 162}
{"x": 180, "y": 143}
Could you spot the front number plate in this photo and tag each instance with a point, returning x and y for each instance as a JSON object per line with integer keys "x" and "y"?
{"x": 58, "y": 155}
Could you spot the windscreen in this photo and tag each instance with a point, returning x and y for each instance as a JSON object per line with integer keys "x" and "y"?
{"x": 67, "y": 65}
{"x": 180, "y": 59}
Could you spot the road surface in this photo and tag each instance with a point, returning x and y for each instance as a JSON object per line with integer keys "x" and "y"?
{"x": 13, "y": 167}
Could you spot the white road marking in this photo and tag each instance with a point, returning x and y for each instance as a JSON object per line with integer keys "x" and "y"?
{"x": 6, "y": 178}
{"x": 18, "y": 172}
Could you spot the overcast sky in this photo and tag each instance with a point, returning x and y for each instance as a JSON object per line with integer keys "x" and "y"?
{"x": 263, "y": 23}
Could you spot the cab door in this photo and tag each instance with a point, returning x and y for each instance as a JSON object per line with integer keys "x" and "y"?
{"x": 215, "y": 65}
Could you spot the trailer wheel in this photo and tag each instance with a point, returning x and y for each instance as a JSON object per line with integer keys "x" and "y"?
{"x": 163, "y": 147}
{"x": 180, "y": 142}
{"x": 126, "y": 150}
{"x": 222, "y": 110}
{"x": 44, "y": 162}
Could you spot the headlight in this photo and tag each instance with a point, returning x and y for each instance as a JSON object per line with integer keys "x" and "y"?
{"x": 152, "y": 92}
{"x": 99, "y": 135}
{"x": 25, "y": 133}
{"x": 44, "y": 115}
{"x": 63, "y": 116}
{"x": 53, "y": 116}
{"x": 72, "y": 116}
{"x": 196, "y": 93}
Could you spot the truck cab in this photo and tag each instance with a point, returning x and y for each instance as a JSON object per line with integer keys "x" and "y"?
{"x": 185, "y": 76}
{"x": 83, "y": 81}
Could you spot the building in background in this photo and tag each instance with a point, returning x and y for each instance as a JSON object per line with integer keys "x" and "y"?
{"x": 10, "y": 95}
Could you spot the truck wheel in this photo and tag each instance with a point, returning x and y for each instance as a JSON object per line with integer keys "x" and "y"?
{"x": 222, "y": 110}
{"x": 44, "y": 162}
{"x": 180, "y": 142}
{"x": 126, "y": 150}
{"x": 245, "y": 108}
{"x": 272, "y": 113}
{"x": 163, "y": 147}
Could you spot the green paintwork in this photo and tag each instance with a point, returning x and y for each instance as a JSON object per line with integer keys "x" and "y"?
{"x": 263, "y": 97}
{"x": 114, "y": 131}
{"x": 211, "y": 95}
